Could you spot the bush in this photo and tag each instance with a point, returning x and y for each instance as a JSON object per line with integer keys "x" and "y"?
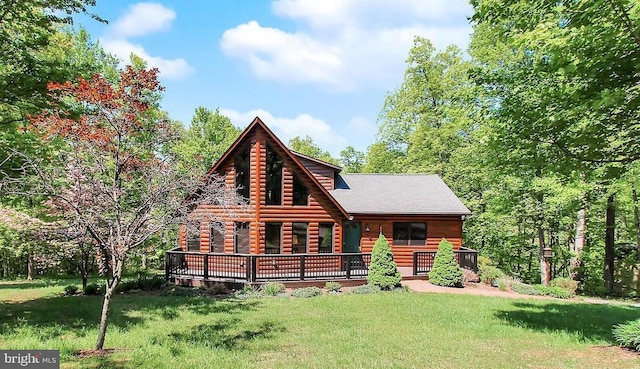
{"x": 484, "y": 261}
{"x": 306, "y": 292}
{"x": 488, "y": 274}
{"x": 365, "y": 289}
{"x": 248, "y": 292}
{"x": 628, "y": 334}
{"x": 333, "y": 286}
{"x": 383, "y": 271}
{"x": 566, "y": 284}
{"x": 557, "y": 292}
{"x": 219, "y": 288}
{"x": 445, "y": 272}
{"x": 469, "y": 276}
{"x": 143, "y": 283}
{"x": 506, "y": 282}
{"x": 93, "y": 289}
{"x": 526, "y": 289}
{"x": 273, "y": 288}
{"x": 71, "y": 290}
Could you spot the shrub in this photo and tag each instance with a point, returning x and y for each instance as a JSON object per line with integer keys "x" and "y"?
{"x": 248, "y": 292}
{"x": 628, "y": 334}
{"x": 219, "y": 288}
{"x": 567, "y": 284}
{"x": 306, "y": 292}
{"x": 502, "y": 284}
{"x": 273, "y": 288}
{"x": 488, "y": 274}
{"x": 383, "y": 271}
{"x": 365, "y": 289}
{"x": 506, "y": 282}
{"x": 445, "y": 272}
{"x": 525, "y": 289}
{"x": 70, "y": 290}
{"x": 469, "y": 276}
{"x": 484, "y": 261}
{"x": 150, "y": 283}
{"x": 93, "y": 289}
{"x": 333, "y": 286}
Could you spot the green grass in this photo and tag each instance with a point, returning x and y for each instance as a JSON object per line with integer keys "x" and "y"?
{"x": 385, "y": 330}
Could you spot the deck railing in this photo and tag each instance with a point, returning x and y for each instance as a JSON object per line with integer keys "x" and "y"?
{"x": 266, "y": 267}
{"x": 423, "y": 260}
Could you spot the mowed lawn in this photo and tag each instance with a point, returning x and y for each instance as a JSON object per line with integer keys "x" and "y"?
{"x": 385, "y": 330}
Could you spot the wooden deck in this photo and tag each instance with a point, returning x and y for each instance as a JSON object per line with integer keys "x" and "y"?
{"x": 195, "y": 268}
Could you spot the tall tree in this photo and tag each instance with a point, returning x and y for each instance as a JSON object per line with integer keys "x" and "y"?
{"x": 352, "y": 160}
{"x": 111, "y": 153}
{"x": 207, "y": 138}
{"x": 307, "y": 146}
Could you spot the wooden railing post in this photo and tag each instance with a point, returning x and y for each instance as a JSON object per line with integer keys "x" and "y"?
{"x": 254, "y": 268}
{"x": 348, "y": 266}
{"x": 167, "y": 256}
{"x": 302, "y": 267}
{"x": 415, "y": 263}
{"x": 206, "y": 266}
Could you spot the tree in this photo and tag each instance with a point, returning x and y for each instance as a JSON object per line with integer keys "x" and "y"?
{"x": 112, "y": 137}
{"x": 352, "y": 160}
{"x": 306, "y": 146}
{"x": 383, "y": 271}
{"x": 207, "y": 138}
{"x": 445, "y": 272}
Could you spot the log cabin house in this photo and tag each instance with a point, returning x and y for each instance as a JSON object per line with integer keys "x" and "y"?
{"x": 308, "y": 221}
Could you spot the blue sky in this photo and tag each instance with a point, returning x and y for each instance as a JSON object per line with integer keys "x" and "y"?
{"x": 307, "y": 67}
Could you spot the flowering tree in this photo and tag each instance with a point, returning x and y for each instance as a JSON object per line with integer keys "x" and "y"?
{"x": 115, "y": 180}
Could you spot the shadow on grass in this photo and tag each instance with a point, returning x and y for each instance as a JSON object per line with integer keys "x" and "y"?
{"x": 39, "y": 283}
{"x": 57, "y": 316}
{"x": 589, "y": 322}
{"x": 230, "y": 333}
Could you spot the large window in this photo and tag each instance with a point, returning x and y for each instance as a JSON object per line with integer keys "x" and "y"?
{"x": 325, "y": 238}
{"x": 216, "y": 237}
{"x": 193, "y": 236}
{"x": 273, "y": 236}
{"x": 241, "y": 243}
{"x": 274, "y": 178}
{"x": 299, "y": 244}
{"x": 242, "y": 168}
{"x": 414, "y": 234}
{"x": 300, "y": 192}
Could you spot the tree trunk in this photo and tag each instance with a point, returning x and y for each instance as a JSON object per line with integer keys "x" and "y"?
{"x": 578, "y": 243}
{"x": 144, "y": 260}
{"x": 609, "y": 249}
{"x": 543, "y": 264}
{"x": 102, "y": 331}
{"x": 636, "y": 216}
{"x": 29, "y": 267}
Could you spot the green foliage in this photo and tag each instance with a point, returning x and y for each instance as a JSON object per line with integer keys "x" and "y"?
{"x": 445, "y": 272}
{"x": 365, "y": 289}
{"x": 540, "y": 290}
{"x": 306, "y": 292}
{"x": 333, "y": 286}
{"x": 526, "y": 289}
{"x": 142, "y": 283}
{"x": 93, "y": 289}
{"x": 307, "y": 147}
{"x": 383, "y": 271}
{"x": 488, "y": 274}
{"x": 273, "y": 288}
{"x": 248, "y": 292}
{"x": 628, "y": 334}
{"x": 71, "y": 290}
{"x": 566, "y": 284}
{"x": 352, "y": 160}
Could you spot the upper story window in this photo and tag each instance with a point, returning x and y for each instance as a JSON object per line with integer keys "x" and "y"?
{"x": 242, "y": 168}
{"x": 414, "y": 234}
{"x": 300, "y": 192}
{"x": 273, "y": 178}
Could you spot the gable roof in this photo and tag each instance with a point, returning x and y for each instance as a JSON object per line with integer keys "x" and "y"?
{"x": 334, "y": 167}
{"x": 258, "y": 124}
{"x": 410, "y": 194}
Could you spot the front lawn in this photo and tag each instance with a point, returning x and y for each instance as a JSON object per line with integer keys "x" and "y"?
{"x": 385, "y": 330}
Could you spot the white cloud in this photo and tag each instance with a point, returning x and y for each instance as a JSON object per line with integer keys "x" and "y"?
{"x": 143, "y": 19}
{"x": 287, "y": 128}
{"x": 346, "y": 44}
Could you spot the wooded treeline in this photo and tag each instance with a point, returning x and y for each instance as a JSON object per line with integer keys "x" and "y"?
{"x": 535, "y": 128}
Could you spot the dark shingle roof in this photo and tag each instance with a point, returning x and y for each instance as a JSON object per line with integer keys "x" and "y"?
{"x": 409, "y": 194}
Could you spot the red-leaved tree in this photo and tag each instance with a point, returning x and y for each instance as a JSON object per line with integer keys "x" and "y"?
{"x": 114, "y": 180}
